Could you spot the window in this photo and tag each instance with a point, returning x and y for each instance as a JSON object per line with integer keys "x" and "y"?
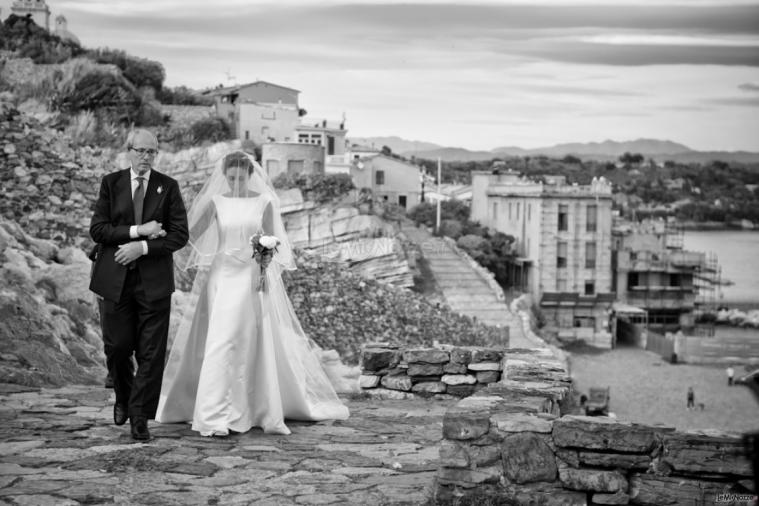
{"x": 590, "y": 255}
{"x": 379, "y": 177}
{"x": 563, "y": 217}
{"x": 272, "y": 167}
{"x": 494, "y": 211}
{"x": 561, "y": 255}
{"x": 265, "y": 132}
{"x": 561, "y": 285}
{"x": 633, "y": 279}
{"x": 509, "y": 210}
{"x": 295, "y": 166}
{"x": 585, "y": 322}
{"x": 590, "y": 218}
{"x": 590, "y": 287}
{"x": 529, "y": 211}
{"x": 518, "y": 210}
{"x": 402, "y": 201}
{"x": 318, "y": 167}
{"x": 675, "y": 280}
{"x": 303, "y": 138}
{"x": 269, "y": 115}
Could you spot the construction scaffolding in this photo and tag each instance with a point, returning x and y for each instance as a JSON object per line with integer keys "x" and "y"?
{"x": 708, "y": 282}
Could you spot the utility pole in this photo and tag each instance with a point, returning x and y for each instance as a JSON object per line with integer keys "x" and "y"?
{"x": 422, "y": 175}
{"x": 439, "y": 196}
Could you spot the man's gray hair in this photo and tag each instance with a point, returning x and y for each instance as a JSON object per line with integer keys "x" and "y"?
{"x": 132, "y": 133}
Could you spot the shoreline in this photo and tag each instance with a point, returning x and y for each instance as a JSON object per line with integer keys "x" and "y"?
{"x": 714, "y": 226}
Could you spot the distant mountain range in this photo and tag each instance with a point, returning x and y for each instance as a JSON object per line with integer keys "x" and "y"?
{"x": 607, "y": 150}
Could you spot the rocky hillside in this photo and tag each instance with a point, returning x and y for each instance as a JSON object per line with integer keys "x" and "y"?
{"x": 48, "y": 187}
{"x": 49, "y": 331}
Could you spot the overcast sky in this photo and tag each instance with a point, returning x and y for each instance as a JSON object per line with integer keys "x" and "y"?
{"x": 477, "y": 75}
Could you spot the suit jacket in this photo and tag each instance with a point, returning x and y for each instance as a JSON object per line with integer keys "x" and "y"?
{"x": 114, "y": 214}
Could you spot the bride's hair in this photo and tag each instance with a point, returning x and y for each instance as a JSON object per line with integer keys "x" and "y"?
{"x": 238, "y": 159}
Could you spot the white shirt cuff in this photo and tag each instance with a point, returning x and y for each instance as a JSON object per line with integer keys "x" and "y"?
{"x": 144, "y": 247}
{"x": 133, "y": 232}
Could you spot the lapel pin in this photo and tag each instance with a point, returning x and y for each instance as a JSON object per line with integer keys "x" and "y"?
{"x": 160, "y": 189}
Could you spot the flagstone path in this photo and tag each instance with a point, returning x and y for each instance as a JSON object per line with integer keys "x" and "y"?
{"x": 60, "y": 447}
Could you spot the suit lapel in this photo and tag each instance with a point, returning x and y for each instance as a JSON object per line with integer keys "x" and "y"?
{"x": 123, "y": 191}
{"x": 152, "y": 196}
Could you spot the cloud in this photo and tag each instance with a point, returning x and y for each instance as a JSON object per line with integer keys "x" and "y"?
{"x": 736, "y": 101}
{"x": 748, "y": 87}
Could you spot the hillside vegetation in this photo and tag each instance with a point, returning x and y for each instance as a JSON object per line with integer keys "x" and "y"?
{"x": 95, "y": 94}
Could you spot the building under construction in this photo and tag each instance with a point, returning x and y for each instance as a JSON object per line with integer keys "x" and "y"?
{"x": 652, "y": 272}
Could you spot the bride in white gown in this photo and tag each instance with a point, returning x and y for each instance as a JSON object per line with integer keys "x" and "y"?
{"x": 240, "y": 359}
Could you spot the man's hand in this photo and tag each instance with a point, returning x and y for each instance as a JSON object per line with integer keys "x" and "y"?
{"x": 151, "y": 229}
{"x": 128, "y": 253}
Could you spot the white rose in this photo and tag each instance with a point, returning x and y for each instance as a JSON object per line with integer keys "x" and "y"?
{"x": 269, "y": 241}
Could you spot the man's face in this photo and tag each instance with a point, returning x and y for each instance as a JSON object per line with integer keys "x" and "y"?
{"x": 143, "y": 152}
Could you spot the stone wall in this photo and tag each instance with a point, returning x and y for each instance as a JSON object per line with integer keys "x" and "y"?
{"x": 509, "y": 443}
{"x": 444, "y": 370}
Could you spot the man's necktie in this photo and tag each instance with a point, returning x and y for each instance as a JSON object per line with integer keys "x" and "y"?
{"x": 139, "y": 197}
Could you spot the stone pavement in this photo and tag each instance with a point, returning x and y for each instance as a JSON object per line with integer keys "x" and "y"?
{"x": 60, "y": 447}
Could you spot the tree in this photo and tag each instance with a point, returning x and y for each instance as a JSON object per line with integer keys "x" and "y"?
{"x": 387, "y": 151}
{"x": 632, "y": 158}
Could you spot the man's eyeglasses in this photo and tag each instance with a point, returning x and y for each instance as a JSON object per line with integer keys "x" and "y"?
{"x": 145, "y": 151}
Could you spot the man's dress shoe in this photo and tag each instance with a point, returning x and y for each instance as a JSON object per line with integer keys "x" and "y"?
{"x": 140, "y": 430}
{"x": 119, "y": 414}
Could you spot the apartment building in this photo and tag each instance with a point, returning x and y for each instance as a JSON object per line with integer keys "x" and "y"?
{"x": 562, "y": 246}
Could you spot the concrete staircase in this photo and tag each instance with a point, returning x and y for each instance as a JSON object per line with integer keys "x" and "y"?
{"x": 464, "y": 289}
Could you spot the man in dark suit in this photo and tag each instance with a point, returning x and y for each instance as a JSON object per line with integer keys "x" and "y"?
{"x": 139, "y": 222}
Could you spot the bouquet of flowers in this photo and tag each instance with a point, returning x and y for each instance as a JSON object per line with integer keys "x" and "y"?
{"x": 264, "y": 247}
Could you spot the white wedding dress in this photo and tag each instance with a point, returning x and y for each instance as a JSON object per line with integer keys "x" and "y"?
{"x": 243, "y": 361}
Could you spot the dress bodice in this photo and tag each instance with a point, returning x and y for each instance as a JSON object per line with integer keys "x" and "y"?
{"x": 237, "y": 219}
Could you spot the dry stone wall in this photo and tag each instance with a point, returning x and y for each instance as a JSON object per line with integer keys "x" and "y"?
{"x": 444, "y": 370}
{"x": 48, "y": 188}
{"x": 509, "y": 443}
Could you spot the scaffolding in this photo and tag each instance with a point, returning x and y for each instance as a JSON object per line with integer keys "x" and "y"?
{"x": 708, "y": 282}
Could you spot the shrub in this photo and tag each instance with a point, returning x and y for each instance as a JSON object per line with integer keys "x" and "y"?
{"x": 182, "y": 95}
{"x": 210, "y": 130}
{"x": 139, "y": 71}
{"x": 104, "y": 91}
{"x": 451, "y": 228}
{"x": 87, "y": 128}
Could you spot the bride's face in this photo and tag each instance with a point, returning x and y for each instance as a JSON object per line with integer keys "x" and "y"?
{"x": 237, "y": 179}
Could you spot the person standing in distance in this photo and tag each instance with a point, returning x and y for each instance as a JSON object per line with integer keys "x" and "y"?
{"x": 140, "y": 221}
